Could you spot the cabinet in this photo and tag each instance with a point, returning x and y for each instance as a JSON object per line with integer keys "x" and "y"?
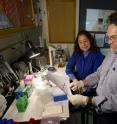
{"x": 16, "y": 15}
{"x": 61, "y": 20}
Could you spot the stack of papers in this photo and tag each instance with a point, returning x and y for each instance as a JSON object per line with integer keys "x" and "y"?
{"x": 3, "y": 104}
{"x": 52, "y": 110}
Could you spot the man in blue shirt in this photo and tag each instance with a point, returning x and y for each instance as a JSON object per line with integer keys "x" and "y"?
{"x": 106, "y": 77}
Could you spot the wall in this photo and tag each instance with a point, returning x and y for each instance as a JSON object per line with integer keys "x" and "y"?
{"x": 94, "y": 4}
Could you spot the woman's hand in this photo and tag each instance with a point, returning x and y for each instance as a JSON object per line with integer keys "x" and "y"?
{"x": 77, "y": 85}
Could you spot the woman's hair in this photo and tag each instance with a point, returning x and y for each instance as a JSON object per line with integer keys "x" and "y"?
{"x": 91, "y": 40}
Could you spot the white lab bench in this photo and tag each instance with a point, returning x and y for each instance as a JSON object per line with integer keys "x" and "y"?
{"x": 37, "y": 102}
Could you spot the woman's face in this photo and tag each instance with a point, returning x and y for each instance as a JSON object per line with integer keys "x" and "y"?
{"x": 84, "y": 43}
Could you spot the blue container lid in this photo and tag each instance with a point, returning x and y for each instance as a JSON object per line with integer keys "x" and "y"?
{"x": 60, "y": 98}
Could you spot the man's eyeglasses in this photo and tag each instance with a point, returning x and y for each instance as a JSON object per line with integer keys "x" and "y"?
{"x": 111, "y": 38}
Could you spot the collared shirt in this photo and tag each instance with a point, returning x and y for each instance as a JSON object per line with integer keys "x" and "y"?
{"x": 86, "y": 53}
{"x": 106, "y": 77}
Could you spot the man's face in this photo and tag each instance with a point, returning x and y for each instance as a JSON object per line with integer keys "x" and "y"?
{"x": 112, "y": 37}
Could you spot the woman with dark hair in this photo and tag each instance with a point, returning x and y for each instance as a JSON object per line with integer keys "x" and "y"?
{"x": 86, "y": 57}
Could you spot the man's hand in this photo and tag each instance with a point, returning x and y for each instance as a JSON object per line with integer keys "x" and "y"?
{"x": 78, "y": 99}
{"x": 77, "y": 85}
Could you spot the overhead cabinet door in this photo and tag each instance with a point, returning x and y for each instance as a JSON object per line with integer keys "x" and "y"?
{"x": 61, "y": 20}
